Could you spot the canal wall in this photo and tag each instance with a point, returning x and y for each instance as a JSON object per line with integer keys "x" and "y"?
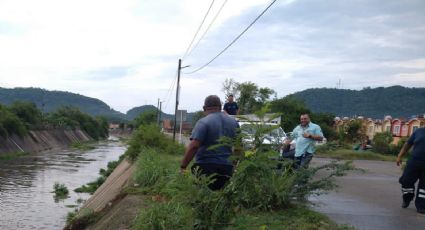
{"x": 40, "y": 140}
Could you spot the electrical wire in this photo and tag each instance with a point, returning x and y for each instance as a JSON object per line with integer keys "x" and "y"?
{"x": 170, "y": 90}
{"x": 234, "y": 40}
{"x": 209, "y": 26}
{"x": 199, "y": 28}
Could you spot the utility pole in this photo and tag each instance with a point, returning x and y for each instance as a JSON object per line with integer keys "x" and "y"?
{"x": 160, "y": 114}
{"x": 177, "y": 99}
{"x": 157, "y": 111}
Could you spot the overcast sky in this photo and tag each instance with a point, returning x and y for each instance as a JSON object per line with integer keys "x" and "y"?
{"x": 126, "y": 52}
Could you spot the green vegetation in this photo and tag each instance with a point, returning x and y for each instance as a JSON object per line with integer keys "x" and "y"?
{"x": 60, "y": 190}
{"x": 20, "y": 117}
{"x": 10, "y": 123}
{"x": 349, "y": 154}
{"x": 72, "y": 118}
{"x": 104, "y": 173}
{"x": 257, "y": 191}
{"x": 50, "y": 101}
{"x": 80, "y": 219}
{"x": 149, "y": 135}
{"x": 297, "y": 217}
{"x": 11, "y": 156}
{"x": 396, "y": 101}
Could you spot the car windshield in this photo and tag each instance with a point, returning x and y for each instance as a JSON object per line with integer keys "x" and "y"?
{"x": 251, "y": 129}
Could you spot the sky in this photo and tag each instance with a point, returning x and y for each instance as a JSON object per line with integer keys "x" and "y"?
{"x": 126, "y": 52}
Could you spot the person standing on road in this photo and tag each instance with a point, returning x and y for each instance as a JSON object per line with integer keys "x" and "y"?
{"x": 206, "y": 133}
{"x": 305, "y": 134}
{"x": 415, "y": 169}
{"x": 231, "y": 107}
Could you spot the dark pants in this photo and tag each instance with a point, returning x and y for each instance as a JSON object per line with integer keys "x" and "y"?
{"x": 415, "y": 170}
{"x": 222, "y": 174}
{"x": 303, "y": 161}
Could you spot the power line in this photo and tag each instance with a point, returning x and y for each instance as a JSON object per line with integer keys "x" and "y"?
{"x": 208, "y": 28}
{"x": 199, "y": 28}
{"x": 234, "y": 40}
{"x": 170, "y": 90}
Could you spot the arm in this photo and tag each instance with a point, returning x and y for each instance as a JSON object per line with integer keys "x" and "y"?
{"x": 317, "y": 136}
{"x": 190, "y": 153}
{"x": 403, "y": 152}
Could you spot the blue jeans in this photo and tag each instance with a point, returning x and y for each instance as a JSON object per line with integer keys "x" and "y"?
{"x": 303, "y": 161}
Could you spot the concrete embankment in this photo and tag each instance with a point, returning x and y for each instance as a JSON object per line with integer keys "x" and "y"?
{"x": 40, "y": 140}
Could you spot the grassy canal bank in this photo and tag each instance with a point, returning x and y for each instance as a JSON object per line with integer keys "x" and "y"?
{"x": 158, "y": 196}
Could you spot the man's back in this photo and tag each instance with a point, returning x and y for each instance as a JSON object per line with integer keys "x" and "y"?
{"x": 208, "y": 131}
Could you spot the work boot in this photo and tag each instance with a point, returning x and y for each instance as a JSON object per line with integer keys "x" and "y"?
{"x": 405, "y": 204}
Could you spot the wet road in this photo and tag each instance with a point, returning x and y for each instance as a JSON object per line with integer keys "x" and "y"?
{"x": 26, "y": 184}
{"x": 370, "y": 199}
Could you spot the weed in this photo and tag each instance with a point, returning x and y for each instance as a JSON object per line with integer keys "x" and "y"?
{"x": 11, "y": 156}
{"x": 60, "y": 189}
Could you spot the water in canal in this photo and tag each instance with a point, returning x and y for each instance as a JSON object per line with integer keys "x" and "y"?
{"x": 26, "y": 184}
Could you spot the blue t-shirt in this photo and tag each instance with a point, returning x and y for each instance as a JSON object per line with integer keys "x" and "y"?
{"x": 208, "y": 131}
{"x": 231, "y": 108}
{"x": 418, "y": 141}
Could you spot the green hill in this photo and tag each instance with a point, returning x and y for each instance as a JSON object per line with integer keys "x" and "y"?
{"x": 49, "y": 101}
{"x": 396, "y": 101}
{"x": 136, "y": 111}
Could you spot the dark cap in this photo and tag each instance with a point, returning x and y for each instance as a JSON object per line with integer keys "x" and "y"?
{"x": 212, "y": 101}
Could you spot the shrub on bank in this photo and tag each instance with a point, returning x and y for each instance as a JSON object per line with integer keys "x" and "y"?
{"x": 150, "y": 136}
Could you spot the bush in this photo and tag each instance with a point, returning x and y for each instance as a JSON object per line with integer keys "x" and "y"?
{"x": 382, "y": 142}
{"x": 150, "y": 136}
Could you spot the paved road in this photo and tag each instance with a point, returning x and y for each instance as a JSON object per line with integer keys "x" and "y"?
{"x": 369, "y": 200}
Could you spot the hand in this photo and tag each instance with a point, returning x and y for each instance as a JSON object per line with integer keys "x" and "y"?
{"x": 307, "y": 135}
{"x": 399, "y": 161}
{"x": 183, "y": 170}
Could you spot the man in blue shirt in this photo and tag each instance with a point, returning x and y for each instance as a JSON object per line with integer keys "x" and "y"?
{"x": 206, "y": 133}
{"x": 231, "y": 107}
{"x": 305, "y": 135}
{"x": 415, "y": 169}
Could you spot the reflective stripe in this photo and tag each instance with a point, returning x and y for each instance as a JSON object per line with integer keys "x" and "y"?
{"x": 421, "y": 196}
{"x": 422, "y": 191}
{"x": 408, "y": 192}
{"x": 409, "y": 189}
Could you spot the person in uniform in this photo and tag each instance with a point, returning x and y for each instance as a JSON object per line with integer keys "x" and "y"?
{"x": 414, "y": 171}
{"x": 231, "y": 107}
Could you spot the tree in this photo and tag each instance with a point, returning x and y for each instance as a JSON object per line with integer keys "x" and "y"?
{"x": 249, "y": 96}
{"x": 10, "y": 123}
{"x": 27, "y": 113}
{"x": 230, "y": 86}
{"x": 291, "y": 109}
{"x": 145, "y": 118}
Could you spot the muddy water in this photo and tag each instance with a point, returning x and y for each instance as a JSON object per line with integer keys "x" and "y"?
{"x": 26, "y": 184}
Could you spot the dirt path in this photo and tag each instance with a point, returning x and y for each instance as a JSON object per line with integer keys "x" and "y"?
{"x": 369, "y": 200}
